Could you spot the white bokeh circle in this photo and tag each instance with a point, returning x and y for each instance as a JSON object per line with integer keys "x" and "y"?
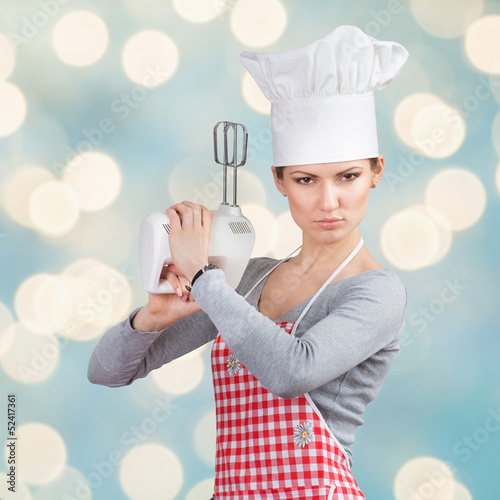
{"x": 481, "y": 44}
{"x": 254, "y": 96}
{"x": 52, "y": 304}
{"x": 204, "y": 438}
{"x": 101, "y": 294}
{"x": 406, "y": 111}
{"x": 203, "y": 489}
{"x": 444, "y": 230}
{"x": 13, "y": 108}
{"x": 461, "y": 492}
{"x": 459, "y": 195}
{"x": 438, "y": 130}
{"x": 80, "y": 38}
{"x": 30, "y": 358}
{"x": 446, "y": 18}
{"x": 95, "y": 178}
{"x": 150, "y": 58}
{"x": 82, "y": 321}
{"x": 25, "y": 303}
{"x": 17, "y": 189}
{"x": 428, "y": 477}
{"x": 249, "y": 189}
{"x": 54, "y": 208}
{"x": 416, "y": 237}
{"x": 151, "y": 472}
{"x": 258, "y": 23}
{"x": 265, "y": 226}
{"x": 115, "y": 294}
{"x": 180, "y": 375}
{"x": 289, "y": 236}
{"x": 43, "y": 453}
{"x": 6, "y": 333}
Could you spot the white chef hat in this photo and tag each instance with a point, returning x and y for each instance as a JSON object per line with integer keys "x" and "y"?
{"x": 322, "y": 104}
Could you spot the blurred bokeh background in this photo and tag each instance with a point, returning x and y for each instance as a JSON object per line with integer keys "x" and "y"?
{"x": 106, "y": 114}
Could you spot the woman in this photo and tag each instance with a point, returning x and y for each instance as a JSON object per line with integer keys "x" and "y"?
{"x": 288, "y": 397}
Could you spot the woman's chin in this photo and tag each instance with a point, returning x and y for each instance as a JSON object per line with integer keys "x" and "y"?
{"x": 326, "y": 236}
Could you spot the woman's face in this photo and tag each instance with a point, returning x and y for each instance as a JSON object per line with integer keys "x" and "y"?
{"x": 329, "y": 190}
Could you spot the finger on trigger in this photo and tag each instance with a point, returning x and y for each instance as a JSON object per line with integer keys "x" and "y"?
{"x": 186, "y": 288}
{"x": 175, "y": 282}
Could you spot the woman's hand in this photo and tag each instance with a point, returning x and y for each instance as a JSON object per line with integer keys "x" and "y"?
{"x": 163, "y": 309}
{"x": 189, "y": 238}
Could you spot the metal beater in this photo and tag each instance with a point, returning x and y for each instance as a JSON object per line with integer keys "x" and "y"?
{"x": 234, "y": 163}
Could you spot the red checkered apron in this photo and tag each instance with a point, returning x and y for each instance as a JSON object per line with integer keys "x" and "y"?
{"x": 268, "y": 447}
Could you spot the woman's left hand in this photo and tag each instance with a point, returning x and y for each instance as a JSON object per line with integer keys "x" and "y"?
{"x": 190, "y": 230}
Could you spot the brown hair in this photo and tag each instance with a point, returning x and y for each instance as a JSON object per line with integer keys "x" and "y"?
{"x": 279, "y": 170}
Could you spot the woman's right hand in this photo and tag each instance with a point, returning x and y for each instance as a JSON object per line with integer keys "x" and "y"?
{"x": 163, "y": 309}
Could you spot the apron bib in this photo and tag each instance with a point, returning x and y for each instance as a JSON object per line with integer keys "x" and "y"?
{"x": 268, "y": 447}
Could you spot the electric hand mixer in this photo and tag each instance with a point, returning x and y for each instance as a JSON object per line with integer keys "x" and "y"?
{"x": 231, "y": 240}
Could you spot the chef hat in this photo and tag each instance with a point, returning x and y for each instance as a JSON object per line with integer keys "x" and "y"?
{"x": 322, "y": 105}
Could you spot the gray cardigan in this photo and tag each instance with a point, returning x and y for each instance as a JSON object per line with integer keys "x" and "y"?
{"x": 342, "y": 351}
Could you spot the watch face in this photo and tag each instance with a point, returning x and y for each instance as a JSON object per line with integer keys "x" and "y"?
{"x": 210, "y": 266}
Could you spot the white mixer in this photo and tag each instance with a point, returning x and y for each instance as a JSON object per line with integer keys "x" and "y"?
{"x": 231, "y": 240}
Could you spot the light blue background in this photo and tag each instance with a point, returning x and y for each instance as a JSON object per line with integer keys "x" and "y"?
{"x": 424, "y": 408}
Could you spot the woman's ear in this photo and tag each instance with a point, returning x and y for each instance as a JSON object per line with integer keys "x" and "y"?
{"x": 378, "y": 172}
{"x": 380, "y": 166}
{"x": 279, "y": 183}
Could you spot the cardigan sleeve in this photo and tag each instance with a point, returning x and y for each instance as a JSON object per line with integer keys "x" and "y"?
{"x": 124, "y": 354}
{"x": 366, "y": 320}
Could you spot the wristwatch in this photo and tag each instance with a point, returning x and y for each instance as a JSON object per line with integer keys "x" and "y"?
{"x": 208, "y": 267}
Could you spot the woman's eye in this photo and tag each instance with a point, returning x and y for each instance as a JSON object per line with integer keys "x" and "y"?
{"x": 302, "y": 178}
{"x": 355, "y": 175}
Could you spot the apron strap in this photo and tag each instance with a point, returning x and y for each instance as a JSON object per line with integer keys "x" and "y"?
{"x": 346, "y": 261}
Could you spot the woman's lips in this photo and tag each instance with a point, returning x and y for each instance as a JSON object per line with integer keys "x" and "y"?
{"x": 329, "y": 224}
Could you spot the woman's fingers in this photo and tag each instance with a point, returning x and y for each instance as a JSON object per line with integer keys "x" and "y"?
{"x": 177, "y": 281}
{"x": 184, "y": 282}
{"x": 196, "y": 213}
{"x": 193, "y": 214}
{"x": 207, "y": 217}
{"x": 174, "y": 281}
{"x": 173, "y": 217}
{"x": 186, "y": 240}
{"x": 173, "y": 269}
{"x": 185, "y": 209}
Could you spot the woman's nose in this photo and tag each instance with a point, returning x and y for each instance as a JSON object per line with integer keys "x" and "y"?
{"x": 329, "y": 198}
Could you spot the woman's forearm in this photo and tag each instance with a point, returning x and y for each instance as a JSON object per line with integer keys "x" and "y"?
{"x": 145, "y": 321}
{"x": 125, "y": 353}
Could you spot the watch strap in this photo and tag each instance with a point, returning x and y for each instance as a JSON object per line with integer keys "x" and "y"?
{"x": 196, "y": 276}
{"x": 208, "y": 267}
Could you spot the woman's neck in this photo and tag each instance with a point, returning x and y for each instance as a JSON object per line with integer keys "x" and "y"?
{"x": 316, "y": 257}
